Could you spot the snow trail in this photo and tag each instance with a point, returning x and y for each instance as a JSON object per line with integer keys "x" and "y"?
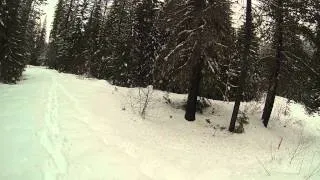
{"x": 51, "y": 138}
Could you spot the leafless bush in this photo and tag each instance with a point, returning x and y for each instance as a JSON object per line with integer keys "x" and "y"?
{"x": 140, "y": 100}
{"x": 145, "y": 97}
{"x": 253, "y": 107}
{"x": 302, "y": 146}
{"x": 282, "y": 110}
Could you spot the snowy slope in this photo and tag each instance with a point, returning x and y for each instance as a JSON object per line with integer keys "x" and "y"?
{"x": 63, "y": 127}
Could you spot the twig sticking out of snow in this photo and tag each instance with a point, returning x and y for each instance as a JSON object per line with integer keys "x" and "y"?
{"x": 280, "y": 143}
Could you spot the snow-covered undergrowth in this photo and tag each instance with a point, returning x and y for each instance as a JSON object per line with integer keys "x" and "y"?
{"x": 60, "y": 126}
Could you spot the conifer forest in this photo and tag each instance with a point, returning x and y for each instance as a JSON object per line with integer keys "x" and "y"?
{"x": 225, "y": 51}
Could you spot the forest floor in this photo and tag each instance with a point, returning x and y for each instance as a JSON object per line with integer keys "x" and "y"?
{"x": 56, "y": 126}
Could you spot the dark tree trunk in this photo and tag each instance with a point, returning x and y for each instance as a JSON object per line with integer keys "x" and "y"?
{"x": 244, "y": 67}
{"x": 195, "y": 78}
{"x": 272, "y": 91}
{"x": 196, "y": 59}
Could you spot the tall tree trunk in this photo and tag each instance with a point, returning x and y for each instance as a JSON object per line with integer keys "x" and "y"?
{"x": 279, "y": 58}
{"x": 196, "y": 6}
{"x": 244, "y": 67}
{"x": 195, "y": 79}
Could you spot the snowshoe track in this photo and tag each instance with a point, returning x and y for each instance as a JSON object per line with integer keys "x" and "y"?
{"x": 56, "y": 166}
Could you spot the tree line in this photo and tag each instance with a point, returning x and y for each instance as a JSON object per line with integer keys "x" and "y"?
{"x": 181, "y": 46}
{"x": 22, "y": 37}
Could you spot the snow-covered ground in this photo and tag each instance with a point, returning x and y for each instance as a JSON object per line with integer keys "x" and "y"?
{"x": 63, "y": 127}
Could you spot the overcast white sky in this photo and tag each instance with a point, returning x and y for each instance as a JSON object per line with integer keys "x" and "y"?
{"x": 49, "y": 12}
{"x": 50, "y": 8}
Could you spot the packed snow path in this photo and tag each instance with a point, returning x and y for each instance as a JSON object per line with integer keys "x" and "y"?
{"x": 61, "y": 127}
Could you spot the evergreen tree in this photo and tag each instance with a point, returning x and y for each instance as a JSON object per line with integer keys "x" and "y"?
{"x": 76, "y": 63}
{"x": 11, "y": 59}
{"x": 167, "y": 69}
{"x": 297, "y": 75}
{"x": 254, "y": 80}
{"x": 244, "y": 65}
{"x": 99, "y": 33}
{"x": 117, "y": 59}
{"x": 221, "y": 74}
{"x": 56, "y": 35}
{"x": 308, "y": 14}
{"x": 197, "y": 33}
{"x": 70, "y": 35}
{"x": 3, "y": 35}
{"x": 172, "y": 67}
{"x": 145, "y": 43}
{"x": 15, "y": 30}
{"x": 67, "y": 41}
{"x": 39, "y": 44}
{"x": 278, "y": 15}
{"x": 93, "y": 35}
{"x": 196, "y": 7}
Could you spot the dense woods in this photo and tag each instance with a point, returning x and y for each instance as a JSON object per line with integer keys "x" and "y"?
{"x": 22, "y": 38}
{"x": 181, "y": 46}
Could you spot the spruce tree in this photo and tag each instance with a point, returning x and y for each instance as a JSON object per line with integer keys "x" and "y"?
{"x": 297, "y": 77}
{"x": 197, "y": 41}
{"x": 56, "y": 35}
{"x": 118, "y": 30}
{"x": 244, "y": 65}
{"x": 196, "y": 7}
{"x": 12, "y": 49}
{"x": 308, "y": 12}
{"x": 93, "y": 35}
{"x": 39, "y": 44}
{"x": 145, "y": 43}
{"x": 172, "y": 67}
{"x": 277, "y": 6}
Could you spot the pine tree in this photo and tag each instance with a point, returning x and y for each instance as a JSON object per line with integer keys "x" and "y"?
{"x": 56, "y": 35}
{"x": 76, "y": 39}
{"x": 145, "y": 43}
{"x": 297, "y": 75}
{"x": 99, "y": 32}
{"x": 254, "y": 89}
{"x": 39, "y": 46}
{"x": 3, "y": 35}
{"x": 11, "y": 54}
{"x": 196, "y": 7}
{"x": 308, "y": 12}
{"x": 93, "y": 35}
{"x": 17, "y": 24}
{"x": 221, "y": 76}
{"x": 168, "y": 68}
{"x": 196, "y": 42}
{"x": 67, "y": 42}
{"x": 118, "y": 30}
{"x": 42, "y": 45}
{"x": 244, "y": 65}
{"x": 33, "y": 41}
{"x": 69, "y": 36}
{"x": 278, "y": 15}
{"x": 173, "y": 68}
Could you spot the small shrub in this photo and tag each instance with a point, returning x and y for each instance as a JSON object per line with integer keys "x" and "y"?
{"x": 167, "y": 98}
{"x": 242, "y": 120}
